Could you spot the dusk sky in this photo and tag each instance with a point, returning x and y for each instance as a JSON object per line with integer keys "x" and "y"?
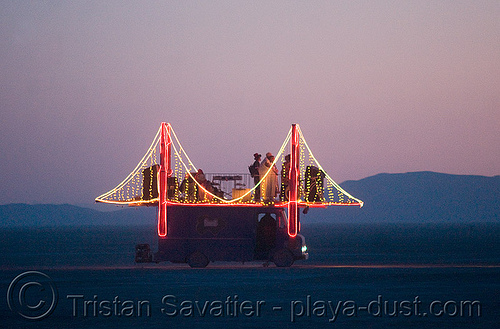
{"x": 376, "y": 86}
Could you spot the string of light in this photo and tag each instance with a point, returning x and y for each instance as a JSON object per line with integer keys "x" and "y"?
{"x": 329, "y": 179}
{"x": 151, "y": 150}
{"x": 235, "y": 200}
{"x": 128, "y": 191}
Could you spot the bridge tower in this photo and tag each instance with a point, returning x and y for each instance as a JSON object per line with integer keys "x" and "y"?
{"x": 293, "y": 176}
{"x": 165, "y": 172}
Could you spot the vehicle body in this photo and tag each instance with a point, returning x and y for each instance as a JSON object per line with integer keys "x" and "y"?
{"x": 200, "y": 234}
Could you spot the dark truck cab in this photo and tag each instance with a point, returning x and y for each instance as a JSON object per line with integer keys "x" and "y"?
{"x": 200, "y": 234}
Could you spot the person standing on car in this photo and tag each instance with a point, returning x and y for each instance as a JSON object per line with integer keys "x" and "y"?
{"x": 254, "y": 172}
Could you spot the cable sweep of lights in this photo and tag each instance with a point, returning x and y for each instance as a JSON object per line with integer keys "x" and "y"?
{"x": 127, "y": 192}
{"x": 213, "y": 196}
{"x": 149, "y": 155}
{"x": 329, "y": 179}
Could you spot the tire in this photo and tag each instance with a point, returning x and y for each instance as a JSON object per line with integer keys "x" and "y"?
{"x": 283, "y": 258}
{"x": 197, "y": 260}
{"x": 143, "y": 254}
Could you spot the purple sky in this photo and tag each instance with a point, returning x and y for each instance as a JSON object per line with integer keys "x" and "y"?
{"x": 376, "y": 86}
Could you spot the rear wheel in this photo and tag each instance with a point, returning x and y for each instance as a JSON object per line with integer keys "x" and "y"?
{"x": 197, "y": 260}
{"x": 283, "y": 258}
{"x": 143, "y": 253}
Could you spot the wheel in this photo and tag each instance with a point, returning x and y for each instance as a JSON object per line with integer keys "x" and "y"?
{"x": 197, "y": 260}
{"x": 143, "y": 253}
{"x": 283, "y": 258}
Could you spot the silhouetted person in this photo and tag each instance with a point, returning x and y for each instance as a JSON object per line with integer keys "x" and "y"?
{"x": 269, "y": 186}
{"x": 285, "y": 181}
{"x": 266, "y": 233}
{"x": 254, "y": 172}
{"x": 202, "y": 195}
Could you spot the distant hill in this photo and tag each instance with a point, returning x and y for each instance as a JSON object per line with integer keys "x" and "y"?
{"x": 418, "y": 197}
{"x": 49, "y": 215}
{"x": 408, "y": 197}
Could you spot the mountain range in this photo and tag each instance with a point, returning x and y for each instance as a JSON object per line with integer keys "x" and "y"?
{"x": 419, "y": 197}
{"x": 406, "y": 197}
{"x": 51, "y": 215}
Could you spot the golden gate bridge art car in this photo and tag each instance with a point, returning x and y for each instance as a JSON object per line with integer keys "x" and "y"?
{"x": 219, "y": 217}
